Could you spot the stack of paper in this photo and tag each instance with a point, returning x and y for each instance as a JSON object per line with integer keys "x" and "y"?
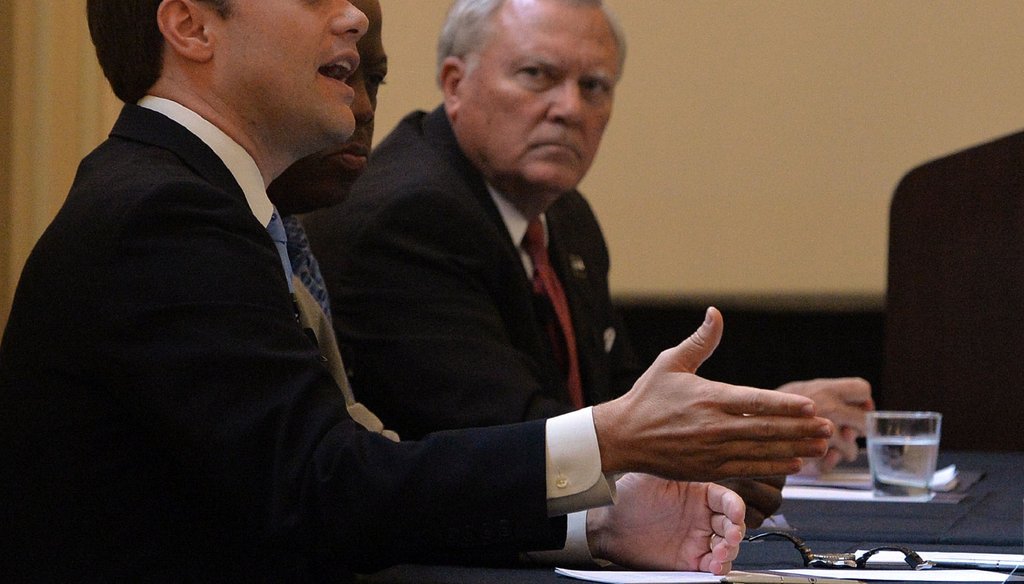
{"x": 855, "y": 485}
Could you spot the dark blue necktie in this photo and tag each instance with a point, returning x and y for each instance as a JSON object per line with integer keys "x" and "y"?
{"x": 304, "y": 264}
{"x": 276, "y": 230}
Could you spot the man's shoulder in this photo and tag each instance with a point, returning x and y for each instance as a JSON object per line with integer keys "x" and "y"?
{"x": 121, "y": 174}
{"x": 418, "y": 136}
{"x": 573, "y": 208}
{"x": 120, "y": 160}
{"x": 419, "y": 159}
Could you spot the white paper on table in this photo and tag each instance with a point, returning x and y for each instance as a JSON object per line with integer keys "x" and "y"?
{"x": 837, "y": 494}
{"x": 933, "y": 575}
{"x": 984, "y": 561}
{"x": 630, "y": 577}
{"x": 944, "y": 480}
{"x": 736, "y": 576}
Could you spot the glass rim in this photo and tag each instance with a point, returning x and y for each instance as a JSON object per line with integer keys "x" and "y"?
{"x": 906, "y": 414}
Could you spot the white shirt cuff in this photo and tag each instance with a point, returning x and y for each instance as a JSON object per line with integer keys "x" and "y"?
{"x": 574, "y": 478}
{"x": 576, "y": 552}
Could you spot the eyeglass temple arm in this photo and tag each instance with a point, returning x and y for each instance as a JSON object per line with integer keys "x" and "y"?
{"x": 913, "y": 559}
{"x": 801, "y": 546}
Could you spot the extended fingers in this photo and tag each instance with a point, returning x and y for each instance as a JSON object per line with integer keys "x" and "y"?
{"x": 843, "y": 400}
{"x": 763, "y": 402}
{"x": 756, "y": 468}
{"x": 771, "y": 428}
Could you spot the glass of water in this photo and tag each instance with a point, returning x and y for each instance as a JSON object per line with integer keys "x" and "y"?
{"x": 903, "y": 448}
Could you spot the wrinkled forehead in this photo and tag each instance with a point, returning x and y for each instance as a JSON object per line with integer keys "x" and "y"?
{"x": 563, "y": 32}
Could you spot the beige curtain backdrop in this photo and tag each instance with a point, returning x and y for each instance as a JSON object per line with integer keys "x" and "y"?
{"x": 753, "y": 150}
{"x": 57, "y": 107}
{"x": 5, "y": 160}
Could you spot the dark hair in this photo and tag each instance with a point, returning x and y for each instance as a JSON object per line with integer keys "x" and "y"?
{"x": 128, "y": 42}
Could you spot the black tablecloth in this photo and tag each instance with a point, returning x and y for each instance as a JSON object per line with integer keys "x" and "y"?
{"x": 990, "y": 518}
{"x": 992, "y": 513}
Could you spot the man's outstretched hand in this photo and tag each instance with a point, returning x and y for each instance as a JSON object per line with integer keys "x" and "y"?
{"x": 677, "y": 425}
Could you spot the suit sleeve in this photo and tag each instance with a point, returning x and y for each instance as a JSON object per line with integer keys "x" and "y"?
{"x": 204, "y": 351}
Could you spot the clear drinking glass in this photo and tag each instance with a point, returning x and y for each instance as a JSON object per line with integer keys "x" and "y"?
{"x": 903, "y": 448}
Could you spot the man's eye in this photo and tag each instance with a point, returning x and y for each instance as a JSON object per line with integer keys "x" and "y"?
{"x": 595, "y": 88}
{"x": 536, "y": 78}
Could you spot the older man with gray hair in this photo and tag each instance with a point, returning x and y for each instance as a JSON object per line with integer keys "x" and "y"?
{"x": 466, "y": 254}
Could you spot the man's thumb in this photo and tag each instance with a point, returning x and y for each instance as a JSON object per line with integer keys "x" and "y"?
{"x": 691, "y": 353}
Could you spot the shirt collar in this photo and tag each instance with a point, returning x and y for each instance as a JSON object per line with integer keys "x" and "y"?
{"x": 239, "y": 162}
{"x": 515, "y": 221}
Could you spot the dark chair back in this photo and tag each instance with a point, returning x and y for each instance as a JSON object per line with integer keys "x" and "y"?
{"x": 954, "y": 333}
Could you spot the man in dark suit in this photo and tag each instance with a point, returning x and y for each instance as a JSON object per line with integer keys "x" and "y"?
{"x": 323, "y": 179}
{"x": 426, "y": 270}
{"x": 434, "y": 291}
{"x": 166, "y": 417}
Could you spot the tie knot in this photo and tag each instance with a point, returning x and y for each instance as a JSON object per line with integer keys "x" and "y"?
{"x": 533, "y": 241}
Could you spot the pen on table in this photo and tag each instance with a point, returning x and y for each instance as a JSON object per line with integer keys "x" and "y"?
{"x": 779, "y": 579}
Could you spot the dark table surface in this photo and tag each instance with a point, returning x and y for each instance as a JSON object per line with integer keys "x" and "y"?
{"x": 990, "y": 518}
{"x": 991, "y": 513}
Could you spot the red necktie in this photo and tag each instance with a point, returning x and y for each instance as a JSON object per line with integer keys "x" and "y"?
{"x": 545, "y": 283}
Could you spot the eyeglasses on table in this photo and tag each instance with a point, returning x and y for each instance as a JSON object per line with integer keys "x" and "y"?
{"x": 842, "y": 560}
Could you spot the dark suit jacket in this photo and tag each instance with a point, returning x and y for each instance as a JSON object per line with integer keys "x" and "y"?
{"x": 163, "y": 416}
{"x": 955, "y": 303}
{"x": 432, "y": 305}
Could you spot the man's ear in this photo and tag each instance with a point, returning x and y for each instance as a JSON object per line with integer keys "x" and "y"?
{"x": 453, "y": 71}
{"x": 183, "y": 25}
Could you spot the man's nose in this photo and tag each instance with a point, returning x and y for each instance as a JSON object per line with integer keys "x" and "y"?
{"x": 566, "y": 102}
{"x": 350, "y": 21}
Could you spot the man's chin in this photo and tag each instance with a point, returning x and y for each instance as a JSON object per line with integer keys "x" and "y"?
{"x": 557, "y": 181}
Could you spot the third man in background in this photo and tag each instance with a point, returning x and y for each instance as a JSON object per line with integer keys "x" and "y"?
{"x": 437, "y": 262}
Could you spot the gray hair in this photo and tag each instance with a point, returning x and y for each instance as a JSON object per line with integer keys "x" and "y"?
{"x": 468, "y": 26}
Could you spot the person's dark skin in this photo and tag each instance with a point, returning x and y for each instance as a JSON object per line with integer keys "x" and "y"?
{"x": 763, "y": 497}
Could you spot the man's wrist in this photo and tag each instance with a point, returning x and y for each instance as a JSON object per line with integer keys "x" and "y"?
{"x": 608, "y": 440}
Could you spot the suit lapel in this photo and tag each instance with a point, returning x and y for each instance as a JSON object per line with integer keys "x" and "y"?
{"x": 522, "y": 320}
{"x": 439, "y": 133}
{"x": 569, "y": 262}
